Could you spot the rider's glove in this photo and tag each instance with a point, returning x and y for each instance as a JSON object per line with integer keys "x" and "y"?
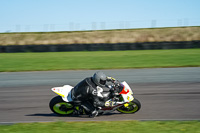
{"x": 109, "y": 103}
{"x": 111, "y": 79}
{"x": 114, "y": 81}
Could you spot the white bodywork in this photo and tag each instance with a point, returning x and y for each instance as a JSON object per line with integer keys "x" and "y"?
{"x": 127, "y": 97}
{"x": 65, "y": 92}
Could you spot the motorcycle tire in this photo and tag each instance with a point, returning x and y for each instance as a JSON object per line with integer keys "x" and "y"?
{"x": 132, "y": 107}
{"x": 60, "y": 107}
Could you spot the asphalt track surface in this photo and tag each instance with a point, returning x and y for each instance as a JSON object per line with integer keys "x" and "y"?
{"x": 165, "y": 94}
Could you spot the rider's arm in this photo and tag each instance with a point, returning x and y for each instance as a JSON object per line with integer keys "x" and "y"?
{"x": 113, "y": 80}
{"x": 113, "y": 88}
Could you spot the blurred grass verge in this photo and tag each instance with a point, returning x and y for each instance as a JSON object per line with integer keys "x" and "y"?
{"x": 10, "y": 62}
{"x": 103, "y": 36}
{"x": 105, "y": 127}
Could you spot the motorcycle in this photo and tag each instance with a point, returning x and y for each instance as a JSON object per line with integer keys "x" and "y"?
{"x": 123, "y": 102}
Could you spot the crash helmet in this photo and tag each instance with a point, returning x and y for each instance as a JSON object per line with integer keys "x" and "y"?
{"x": 99, "y": 78}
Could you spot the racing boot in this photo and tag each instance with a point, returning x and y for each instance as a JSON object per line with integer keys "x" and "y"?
{"x": 93, "y": 114}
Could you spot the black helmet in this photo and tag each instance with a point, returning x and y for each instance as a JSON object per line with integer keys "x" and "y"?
{"x": 99, "y": 78}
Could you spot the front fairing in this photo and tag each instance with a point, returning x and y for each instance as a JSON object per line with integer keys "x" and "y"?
{"x": 127, "y": 93}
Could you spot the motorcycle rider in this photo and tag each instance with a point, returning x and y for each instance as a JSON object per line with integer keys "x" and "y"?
{"x": 86, "y": 92}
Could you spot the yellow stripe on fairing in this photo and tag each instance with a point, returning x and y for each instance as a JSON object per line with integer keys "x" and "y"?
{"x": 60, "y": 94}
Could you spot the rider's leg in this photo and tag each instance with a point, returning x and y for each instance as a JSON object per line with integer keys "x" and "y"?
{"x": 90, "y": 108}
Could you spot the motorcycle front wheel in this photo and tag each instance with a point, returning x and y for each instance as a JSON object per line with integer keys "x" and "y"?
{"x": 132, "y": 107}
{"x": 60, "y": 107}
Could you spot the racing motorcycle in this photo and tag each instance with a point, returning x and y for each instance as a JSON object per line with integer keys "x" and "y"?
{"x": 64, "y": 105}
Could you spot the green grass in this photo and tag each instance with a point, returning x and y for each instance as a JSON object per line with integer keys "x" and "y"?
{"x": 99, "y": 60}
{"x": 105, "y": 127}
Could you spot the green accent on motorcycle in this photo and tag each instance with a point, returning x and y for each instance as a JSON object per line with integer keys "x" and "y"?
{"x": 121, "y": 98}
{"x": 77, "y": 107}
{"x": 131, "y": 108}
{"x": 63, "y": 108}
{"x": 126, "y": 105}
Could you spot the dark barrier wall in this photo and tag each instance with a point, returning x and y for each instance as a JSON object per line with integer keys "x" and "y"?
{"x": 100, "y": 47}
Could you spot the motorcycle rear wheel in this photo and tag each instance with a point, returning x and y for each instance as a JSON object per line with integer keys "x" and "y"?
{"x": 60, "y": 107}
{"x": 132, "y": 107}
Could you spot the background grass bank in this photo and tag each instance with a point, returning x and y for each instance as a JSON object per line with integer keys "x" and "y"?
{"x": 106, "y": 127}
{"x": 105, "y": 36}
{"x": 99, "y": 60}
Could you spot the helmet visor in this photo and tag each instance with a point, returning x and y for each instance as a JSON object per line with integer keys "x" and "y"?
{"x": 102, "y": 82}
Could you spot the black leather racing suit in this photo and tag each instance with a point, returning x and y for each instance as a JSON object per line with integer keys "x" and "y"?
{"x": 86, "y": 92}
